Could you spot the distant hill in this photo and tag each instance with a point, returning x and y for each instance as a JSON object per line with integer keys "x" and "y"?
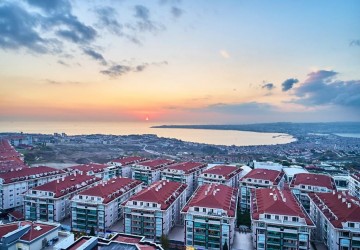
{"x": 281, "y": 127}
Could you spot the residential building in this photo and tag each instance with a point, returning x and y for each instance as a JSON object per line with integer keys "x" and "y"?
{"x": 289, "y": 172}
{"x": 14, "y": 183}
{"x": 123, "y": 165}
{"x": 149, "y": 171}
{"x": 184, "y": 172}
{"x": 210, "y": 217}
{"x": 258, "y": 178}
{"x": 99, "y": 207}
{"x": 337, "y": 219}
{"x": 118, "y": 241}
{"x": 51, "y": 201}
{"x": 278, "y": 220}
{"x": 267, "y": 165}
{"x": 221, "y": 174}
{"x": 354, "y": 185}
{"x": 304, "y": 183}
{"x": 28, "y": 235}
{"x": 102, "y": 171}
{"x": 155, "y": 210}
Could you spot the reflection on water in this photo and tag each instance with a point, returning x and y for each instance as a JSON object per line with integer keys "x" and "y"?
{"x": 219, "y": 137}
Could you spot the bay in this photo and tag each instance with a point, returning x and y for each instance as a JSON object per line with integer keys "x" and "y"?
{"x": 216, "y": 137}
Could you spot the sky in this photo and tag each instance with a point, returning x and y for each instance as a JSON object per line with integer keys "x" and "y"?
{"x": 180, "y": 61}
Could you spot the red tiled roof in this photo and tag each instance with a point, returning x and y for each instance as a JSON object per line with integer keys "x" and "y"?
{"x": 7, "y": 152}
{"x": 162, "y": 192}
{"x": 335, "y": 206}
{"x": 17, "y": 215}
{"x": 78, "y": 243}
{"x": 112, "y": 188}
{"x": 29, "y": 173}
{"x": 31, "y": 234}
{"x": 129, "y": 160}
{"x": 319, "y": 180}
{"x": 226, "y": 171}
{"x": 11, "y": 165}
{"x": 155, "y": 164}
{"x": 264, "y": 174}
{"x": 216, "y": 196}
{"x": 67, "y": 185}
{"x": 95, "y": 167}
{"x": 187, "y": 167}
{"x": 274, "y": 201}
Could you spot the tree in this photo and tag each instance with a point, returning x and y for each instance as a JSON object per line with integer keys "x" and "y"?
{"x": 164, "y": 241}
{"x": 225, "y": 246}
{"x": 92, "y": 231}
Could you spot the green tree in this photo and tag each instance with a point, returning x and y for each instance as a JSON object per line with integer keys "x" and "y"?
{"x": 164, "y": 241}
{"x": 92, "y": 231}
{"x": 225, "y": 246}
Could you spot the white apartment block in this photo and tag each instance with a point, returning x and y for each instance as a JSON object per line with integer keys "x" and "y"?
{"x": 210, "y": 217}
{"x": 337, "y": 219}
{"x": 354, "y": 185}
{"x": 51, "y": 201}
{"x": 155, "y": 210}
{"x": 184, "y": 172}
{"x": 123, "y": 165}
{"x": 278, "y": 220}
{"x": 149, "y": 171}
{"x": 99, "y": 207}
{"x": 102, "y": 171}
{"x": 13, "y": 184}
{"x": 221, "y": 174}
{"x": 258, "y": 178}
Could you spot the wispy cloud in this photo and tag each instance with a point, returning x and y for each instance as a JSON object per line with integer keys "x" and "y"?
{"x": 288, "y": 84}
{"x": 355, "y": 42}
{"x": 224, "y": 54}
{"x": 268, "y": 86}
{"x": 95, "y": 55}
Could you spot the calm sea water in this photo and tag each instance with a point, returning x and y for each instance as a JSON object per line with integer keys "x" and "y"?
{"x": 218, "y": 137}
{"x": 356, "y": 135}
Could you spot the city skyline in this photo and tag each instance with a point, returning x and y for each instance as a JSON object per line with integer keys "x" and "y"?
{"x": 180, "y": 61}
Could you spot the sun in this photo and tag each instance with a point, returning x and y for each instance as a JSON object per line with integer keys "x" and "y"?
{"x": 147, "y": 118}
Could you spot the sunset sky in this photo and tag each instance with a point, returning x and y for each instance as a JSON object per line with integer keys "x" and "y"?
{"x": 203, "y": 61}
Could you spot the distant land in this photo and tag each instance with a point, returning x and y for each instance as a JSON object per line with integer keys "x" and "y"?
{"x": 281, "y": 127}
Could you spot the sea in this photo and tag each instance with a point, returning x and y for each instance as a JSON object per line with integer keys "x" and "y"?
{"x": 215, "y": 137}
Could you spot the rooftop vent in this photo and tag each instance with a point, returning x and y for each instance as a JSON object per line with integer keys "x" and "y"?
{"x": 37, "y": 228}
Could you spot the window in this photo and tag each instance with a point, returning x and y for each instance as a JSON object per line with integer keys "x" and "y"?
{"x": 196, "y": 209}
{"x": 351, "y": 224}
{"x": 285, "y": 218}
{"x": 295, "y": 219}
{"x": 267, "y": 216}
{"x": 276, "y": 217}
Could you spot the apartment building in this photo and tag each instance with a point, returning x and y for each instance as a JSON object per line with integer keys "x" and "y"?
{"x": 337, "y": 219}
{"x": 278, "y": 220}
{"x": 354, "y": 185}
{"x": 102, "y": 171}
{"x": 155, "y": 210}
{"x": 123, "y": 165}
{"x": 184, "y": 172}
{"x": 210, "y": 217}
{"x": 14, "y": 183}
{"x": 149, "y": 171}
{"x": 258, "y": 178}
{"x": 99, "y": 207}
{"x": 221, "y": 174}
{"x": 51, "y": 201}
{"x": 304, "y": 183}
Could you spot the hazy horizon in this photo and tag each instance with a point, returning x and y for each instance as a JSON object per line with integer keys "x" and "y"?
{"x": 180, "y": 61}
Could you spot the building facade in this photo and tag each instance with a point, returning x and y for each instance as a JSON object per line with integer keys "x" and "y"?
{"x": 337, "y": 219}
{"x": 102, "y": 171}
{"x": 14, "y": 183}
{"x": 51, "y": 201}
{"x": 184, "y": 172}
{"x": 149, "y": 171}
{"x": 354, "y": 185}
{"x": 258, "y": 178}
{"x": 99, "y": 207}
{"x": 221, "y": 174}
{"x": 155, "y": 210}
{"x": 278, "y": 220}
{"x": 123, "y": 165}
{"x": 305, "y": 183}
{"x": 210, "y": 217}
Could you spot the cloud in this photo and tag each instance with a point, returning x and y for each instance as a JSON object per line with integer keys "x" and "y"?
{"x": 63, "y": 63}
{"x": 108, "y": 19}
{"x": 51, "y": 6}
{"x": 268, "y": 86}
{"x": 224, "y": 54}
{"x": 176, "y": 12}
{"x": 322, "y": 88}
{"x": 18, "y": 30}
{"x": 144, "y": 23}
{"x": 288, "y": 84}
{"x": 52, "y": 82}
{"x": 240, "y": 108}
{"x": 355, "y": 43}
{"x": 95, "y": 55}
{"x": 118, "y": 70}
